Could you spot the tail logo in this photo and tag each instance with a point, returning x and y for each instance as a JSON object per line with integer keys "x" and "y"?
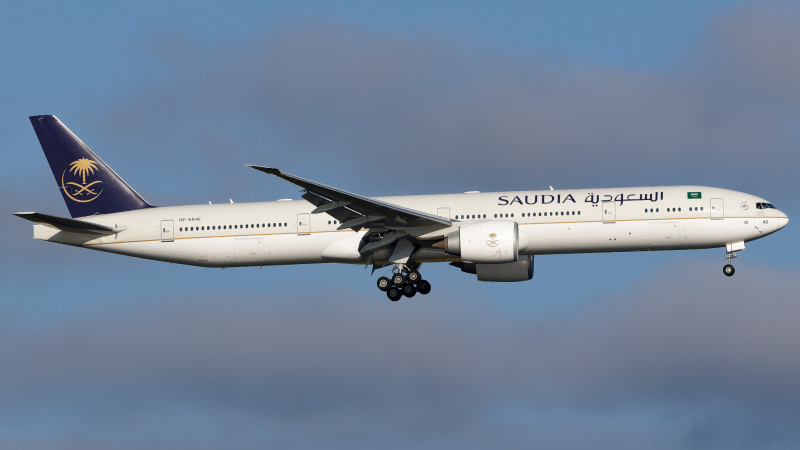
{"x": 74, "y": 184}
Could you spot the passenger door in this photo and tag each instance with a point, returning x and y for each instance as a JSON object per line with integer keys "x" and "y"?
{"x": 303, "y": 224}
{"x": 717, "y": 208}
{"x": 609, "y": 212}
{"x": 167, "y": 231}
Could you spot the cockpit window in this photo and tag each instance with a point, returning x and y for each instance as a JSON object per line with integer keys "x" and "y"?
{"x": 764, "y": 206}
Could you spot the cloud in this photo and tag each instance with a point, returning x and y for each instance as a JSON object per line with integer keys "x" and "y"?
{"x": 435, "y": 113}
{"x": 422, "y": 374}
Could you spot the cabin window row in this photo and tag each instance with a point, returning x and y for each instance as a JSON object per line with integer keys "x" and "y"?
{"x": 234, "y": 227}
{"x": 541, "y": 214}
{"x": 699, "y": 208}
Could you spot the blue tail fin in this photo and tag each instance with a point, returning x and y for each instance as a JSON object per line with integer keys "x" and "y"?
{"x": 88, "y": 185}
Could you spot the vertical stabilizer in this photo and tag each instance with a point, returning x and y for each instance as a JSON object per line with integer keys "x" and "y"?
{"x": 87, "y": 184}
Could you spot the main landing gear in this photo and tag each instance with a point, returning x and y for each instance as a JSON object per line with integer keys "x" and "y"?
{"x": 404, "y": 282}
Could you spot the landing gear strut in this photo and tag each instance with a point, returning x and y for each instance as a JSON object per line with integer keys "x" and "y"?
{"x": 405, "y": 281}
{"x": 728, "y": 269}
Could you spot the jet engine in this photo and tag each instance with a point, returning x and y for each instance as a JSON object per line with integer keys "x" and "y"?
{"x": 489, "y": 242}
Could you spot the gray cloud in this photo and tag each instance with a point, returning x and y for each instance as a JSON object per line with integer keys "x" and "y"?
{"x": 424, "y": 374}
{"x": 435, "y": 114}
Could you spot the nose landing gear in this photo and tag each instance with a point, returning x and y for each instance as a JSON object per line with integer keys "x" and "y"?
{"x": 728, "y": 269}
{"x": 405, "y": 281}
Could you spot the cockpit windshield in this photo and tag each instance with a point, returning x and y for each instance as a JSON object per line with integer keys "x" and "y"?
{"x": 764, "y": 206}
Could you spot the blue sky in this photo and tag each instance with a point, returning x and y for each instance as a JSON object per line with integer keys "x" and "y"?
{"x": 646, "y": 350}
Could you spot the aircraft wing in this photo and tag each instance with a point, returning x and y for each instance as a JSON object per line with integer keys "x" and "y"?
{"x": 71, "y": 225}
{"x": 356, "y": 211}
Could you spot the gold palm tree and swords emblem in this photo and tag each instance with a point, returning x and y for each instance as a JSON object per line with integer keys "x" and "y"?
{"x": 82, "y": 192}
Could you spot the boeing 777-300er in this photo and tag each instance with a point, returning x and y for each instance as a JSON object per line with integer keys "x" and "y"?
{"x": 491, "y": 235}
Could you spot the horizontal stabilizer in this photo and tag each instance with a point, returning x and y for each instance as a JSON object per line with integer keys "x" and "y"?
{"x": 71, "y": 225}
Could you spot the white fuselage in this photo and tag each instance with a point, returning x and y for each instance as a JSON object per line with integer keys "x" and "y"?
{"x": 550, "y": 222}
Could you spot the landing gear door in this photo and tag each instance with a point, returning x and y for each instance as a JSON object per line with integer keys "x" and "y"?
{"x": 609, "y": 212}
{"x": 167, "y": 232}
{"x": 717, "y": 210}
{"x": 303, "y": 224}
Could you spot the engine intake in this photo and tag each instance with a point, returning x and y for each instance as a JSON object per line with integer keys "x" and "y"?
{"x": 489, "y": 242}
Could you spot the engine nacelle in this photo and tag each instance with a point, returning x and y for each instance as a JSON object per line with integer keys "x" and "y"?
{"x": 521, "y": 270}
{"x": 489, "y": 242}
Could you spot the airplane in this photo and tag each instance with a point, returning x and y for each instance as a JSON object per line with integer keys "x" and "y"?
{"x": 493, "y": 236}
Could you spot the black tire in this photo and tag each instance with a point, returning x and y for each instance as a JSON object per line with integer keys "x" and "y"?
{"x": 394, "y": 293}
{"x": 423, "y": 287}
{"x": 398, "y": 279}
{"x": 728, "y": 270}
{"x": 409, "y": 290}
{"x": 413, "y": 277}
{"x": 384, "y": 283}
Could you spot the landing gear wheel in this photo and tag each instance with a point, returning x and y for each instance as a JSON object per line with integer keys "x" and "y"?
{"x": 398, "y": 279}
{"x": 728, "y": 270}
{"x": 394, "y": 293}
{"x": 384, "y": 283}
{"x": 413, "y": 277}
{"x": 409, "y": 290}
{"x": 423, "y": 287}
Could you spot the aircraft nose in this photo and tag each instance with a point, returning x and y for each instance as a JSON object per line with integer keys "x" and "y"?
{"x": 783, "y": 219}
